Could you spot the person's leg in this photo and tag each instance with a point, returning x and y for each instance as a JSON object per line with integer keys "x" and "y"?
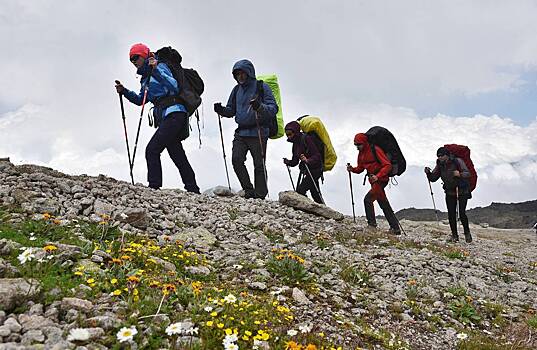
{"x": 370, "y": 209}
{"x": 152, "y": 156}
{"x": 380, "y": 195}
{"x": 238, "y": 157}
{"x": 464, "y": 219}
{"x": 174, "y": 122}
{"x": 303, "y": 184}
{"x": 259, "y": 169}
{"x": 315, "y": 185}
{"x": 451, "y": 203}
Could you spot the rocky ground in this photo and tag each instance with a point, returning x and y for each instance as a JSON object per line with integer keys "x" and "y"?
{"x": 96, "y": 263}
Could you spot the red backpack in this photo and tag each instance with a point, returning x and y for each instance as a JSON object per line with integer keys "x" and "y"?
{"x": 463, "y": 152}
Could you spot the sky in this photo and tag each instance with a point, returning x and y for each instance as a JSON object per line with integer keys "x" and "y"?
{"x": 431, "y": 72}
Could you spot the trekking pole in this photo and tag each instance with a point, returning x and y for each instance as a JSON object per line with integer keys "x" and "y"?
{"x": 434, "y": 204}
{"x": 313, "y": 182}
{"x": 290, "y": 177}
{"x": 125, "y": 129}
{"x": 262, "y": 151}
{"x": 146, "y": 88}
{"x": 352, "y": 195}
{"x": 223, "y": 149}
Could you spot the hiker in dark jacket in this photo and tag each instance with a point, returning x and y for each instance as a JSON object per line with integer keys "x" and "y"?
{"x": 251, "y": 108}
{"x": 378, "y": 173}
{"x": 160, "y": 83}
{"x": 307, "y": 154}
{"x": 454, "y": 174}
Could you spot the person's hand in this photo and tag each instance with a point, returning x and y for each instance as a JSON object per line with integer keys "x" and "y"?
{"x": 303, "y": 158}
{"x": 373, "y": 178}
{"x": 153, "y": 62}
{"x": 255, "y": 103}
{"x": 349, "y": 167}
{"x": 119, "y": 87}
{"x": 218, "y": 108}
{"x": 286, "y": 161}
{"x": 427, "y": 170}
{"x": 456, "y": 173}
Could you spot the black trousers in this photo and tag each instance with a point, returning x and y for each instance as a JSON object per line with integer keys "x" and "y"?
{"x": 451, "y": 203}
{"x": 241, "y": 146}
{"x": 167, "y": 137}
{"x": 306, "y": 183}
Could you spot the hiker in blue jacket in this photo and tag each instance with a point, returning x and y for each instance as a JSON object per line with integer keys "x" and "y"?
{"x": 172, "y": 119}
{"x": 249, "y": 101}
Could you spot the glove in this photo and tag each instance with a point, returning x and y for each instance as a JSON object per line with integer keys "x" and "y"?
{"x": 255, "y": 103}
{"x": 218, "y": 108}
{"x": 286, "y": 161}
{"x": 427, "y": 170}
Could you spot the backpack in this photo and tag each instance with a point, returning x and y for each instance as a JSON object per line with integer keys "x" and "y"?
{"x": 383, "y": 138}
{"x": 463, "y": 152}
{"x": 312, "y": 125}
{"x": 276, "y": 126}
{"x": 318, "y": 143}
{"x": 190, "y": 83}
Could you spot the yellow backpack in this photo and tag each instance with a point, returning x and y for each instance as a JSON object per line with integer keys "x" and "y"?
{"x": 313, "y": 124}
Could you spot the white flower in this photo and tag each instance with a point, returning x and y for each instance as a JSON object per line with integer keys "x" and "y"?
{"x": 208, "y": 308}
{"x": 192, "y": 331}
{"x": 462, "y": 336}
{"x": 257, "y": 344}
{"x": 237, "y": 267}
{"x": 306, "y": 328}
{"x": 229, "y": 339}
{"x": 26, "y": 255}
{"x": 230, "y": 299}
{"x": 231, "y": 346}
{"x": 174, "y": 328}
{"x": 123, "y": 216}
{"x": 78, "y": 334}
{"x": 292, "y": 332}
{"x": 126, "y": 334}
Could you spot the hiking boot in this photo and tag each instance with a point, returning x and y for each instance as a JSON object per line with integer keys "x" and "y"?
{"x": 468, "y": 237}
{"x": 453, "y": 238}
{"x": 249, "y": 195}
{"x": 394, "y": 231}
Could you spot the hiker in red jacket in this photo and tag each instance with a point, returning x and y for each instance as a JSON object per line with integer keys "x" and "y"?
{"x": 455, "y": 175}
{"x": 378, "y": 174}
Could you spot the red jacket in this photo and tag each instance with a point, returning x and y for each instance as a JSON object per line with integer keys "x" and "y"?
{"x": 367, "y": 161}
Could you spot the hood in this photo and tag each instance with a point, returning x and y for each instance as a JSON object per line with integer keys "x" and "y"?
{"x": 360, "y": 138}
{"x": 294, "y": 126}
{"x": 245, "y": 66}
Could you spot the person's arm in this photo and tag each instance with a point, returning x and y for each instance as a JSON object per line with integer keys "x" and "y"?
{"x": 133, "y": 97}
{"x": 386, "y": 165}
{"x": 464, "y": 173}
{"x": 434, "y": 175}
{"x": 231, "y": 108}
{"x": 314, "y": 153}
{"x": 164, "y": 76}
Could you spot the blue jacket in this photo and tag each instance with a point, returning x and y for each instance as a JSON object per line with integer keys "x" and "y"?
{"x": 242, "y": 111}
{"x": 161, "y": 83}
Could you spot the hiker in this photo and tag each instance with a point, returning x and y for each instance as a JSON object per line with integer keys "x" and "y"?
{"x": 378, "y": 173}
{"x": 160, "y": 83}
{"x": 455, "y": 175}
{"x": 535, "y": 228}
{"x": 253, "y": 111}
{"x": 307, "y": 154}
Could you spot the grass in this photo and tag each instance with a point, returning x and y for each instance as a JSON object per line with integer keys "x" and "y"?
{"x": 357, "y": 276}
{"x": 288, "y": 266}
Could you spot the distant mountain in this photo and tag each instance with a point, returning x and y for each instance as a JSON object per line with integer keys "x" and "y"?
{"x": 500, "y": 215}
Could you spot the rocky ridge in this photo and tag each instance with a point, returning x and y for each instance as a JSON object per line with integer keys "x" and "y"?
{"x": 357, "y": 289}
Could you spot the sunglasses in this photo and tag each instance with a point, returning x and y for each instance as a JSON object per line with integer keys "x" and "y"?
{"x": 358, "y": 144}
{"x": 134, "y": 58}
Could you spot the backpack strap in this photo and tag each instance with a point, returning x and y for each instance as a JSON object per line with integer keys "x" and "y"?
{"x": 374, "y": 151}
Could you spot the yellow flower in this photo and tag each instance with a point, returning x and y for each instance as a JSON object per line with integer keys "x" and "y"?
{"x": 117, "y": 292}
{"x": 214, "y": 314}
{"x": 91, "y": 280}
{"x": 50, "y": 248}
{"x": 228, "y": 331}
{"x": 291, "y": 345}
{"x": 135, "y": 292}
{"x": 133, "y": 279}
{"x": 311, "y": 347}
{"x": 220, "y": 325}
{"x": 209, "y": 323}
{"x": 78, "y": 273}
{"x": 113, "y": 281}
{"x": 46, "y": 216}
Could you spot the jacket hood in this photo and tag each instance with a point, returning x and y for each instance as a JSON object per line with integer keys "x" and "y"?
{"x": 245, "y": 66}
{"x": 294, "y": 126}
{"x": 360, "y": 138}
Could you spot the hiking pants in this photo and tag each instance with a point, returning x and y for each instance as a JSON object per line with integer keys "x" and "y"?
{"x": 451, "y": 203}
{"x": 377, "y": 194}
{"x": 167, "y": 137}
{"x": 241, "y": 146}
{"x": 306, "y": 183}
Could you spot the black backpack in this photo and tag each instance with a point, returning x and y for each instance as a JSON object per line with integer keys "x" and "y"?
{"x": 190, "y": 83}
{"x": 272, "y": 124}
{"x": 383, "y": 138}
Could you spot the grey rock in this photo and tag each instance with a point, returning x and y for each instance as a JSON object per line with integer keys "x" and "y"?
{"x": 101, "y": 208}
{"x": 105, "y": 322}
{"x": 198, "y": 270}
{"x": 258, "y": 285}
{"x": 4, "y": 331}
{"x": 300, "y": 202}
{"x": 16, "y": 291}
{"x": 136, "y": 217}
{"x": 300, "y": 297}
{"x": 33, "y": 322}
{"x": 76, "y": 304}
{"x": 198, "y": 236}
{"x": 13, "y": 325}
{"x": 33, "y": 336}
